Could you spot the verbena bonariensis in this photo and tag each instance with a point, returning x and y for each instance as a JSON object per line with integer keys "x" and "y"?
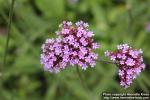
{"x": 74, "y": 46}
{"x": 130, "y": 62}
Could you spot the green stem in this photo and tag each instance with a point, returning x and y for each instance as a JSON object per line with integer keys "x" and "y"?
{"x": 81, "y": 77}
{"x": 107, "y": 62}
{"x": 8, "y": 37}
{"x": 8, "y": 31}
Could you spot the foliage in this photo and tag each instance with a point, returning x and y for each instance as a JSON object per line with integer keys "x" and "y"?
{"x": 113, "y": 21}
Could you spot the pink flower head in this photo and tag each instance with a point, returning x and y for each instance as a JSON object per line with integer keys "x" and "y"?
{"x": 130, "y": 63}
{"x": 74, "y": 46}
{"x": 80, "y": 43}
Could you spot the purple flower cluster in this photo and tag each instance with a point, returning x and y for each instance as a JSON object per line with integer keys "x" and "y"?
{"x": 130, "y": 63}
{"x": 74, "y": 46}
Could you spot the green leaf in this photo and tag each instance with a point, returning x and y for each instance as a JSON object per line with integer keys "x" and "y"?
{"x": 51, "y": 8}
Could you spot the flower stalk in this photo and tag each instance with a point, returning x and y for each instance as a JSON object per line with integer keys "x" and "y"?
{"x": 7, "y": 40}
{"x": 8, "y": 31}
{"x": 81, "y": 77}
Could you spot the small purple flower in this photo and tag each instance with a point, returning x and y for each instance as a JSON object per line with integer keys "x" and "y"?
{"x": 83, "y": 41}
{"x": 121, "y": 72}
{"x": 119, "y": 56}
{"x": 113, "y": 57}
{"x": 124, "y": 57}
{"x": 65, "y": 31}
{"x": 119, "y": 47}
{"x": 80, "y": 31}
{"x": 107, "y": 53}
{"x": 83, "y": 50}
{"x": 69, "y": 23}
{"x": 76, "y": 44}
{"x": 84, "y": 66}
{"x": 121, "y": 62}
{"x": 130, "y": 71}
{"x": 90, "y": 34}
{"x": 130, "y": 63}
{"x": 95, "y": 46}
{"x": 70, "y": 37}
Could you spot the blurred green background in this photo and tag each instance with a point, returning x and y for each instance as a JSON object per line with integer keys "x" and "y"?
{"x": 113, "y": 22}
